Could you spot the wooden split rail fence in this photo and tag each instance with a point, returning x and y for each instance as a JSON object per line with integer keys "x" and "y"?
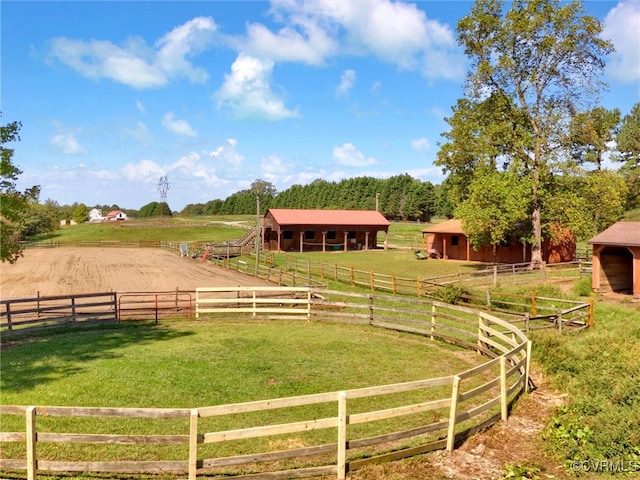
{"x": 21, "y": 314}
{"x": 443, "y": 411}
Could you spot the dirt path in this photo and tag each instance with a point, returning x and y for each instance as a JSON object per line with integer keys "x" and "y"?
{"x": 60, "y": 271}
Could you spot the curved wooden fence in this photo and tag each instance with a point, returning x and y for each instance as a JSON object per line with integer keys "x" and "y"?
{"x": 309, "y": 435}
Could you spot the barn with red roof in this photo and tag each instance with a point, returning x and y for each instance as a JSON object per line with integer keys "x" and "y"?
{"x": 302, "y": 230}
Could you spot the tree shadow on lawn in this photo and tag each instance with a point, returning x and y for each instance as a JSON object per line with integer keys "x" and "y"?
{"x": 39, "y": 359}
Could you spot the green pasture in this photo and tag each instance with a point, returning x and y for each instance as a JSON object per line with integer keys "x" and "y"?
{"x": 180, "y": 229}
{"x": 187, "y": 365}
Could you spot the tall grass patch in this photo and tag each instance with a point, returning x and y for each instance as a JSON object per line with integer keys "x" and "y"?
{"x": 600, "y": 370}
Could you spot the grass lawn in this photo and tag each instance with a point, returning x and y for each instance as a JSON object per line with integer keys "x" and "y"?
{"x": 205, "y": 229}
{"x": 187, "y": 365}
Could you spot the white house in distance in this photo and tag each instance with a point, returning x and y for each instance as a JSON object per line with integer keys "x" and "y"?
{"x": 95, "y": 215}
{"x": 116, "y": 215}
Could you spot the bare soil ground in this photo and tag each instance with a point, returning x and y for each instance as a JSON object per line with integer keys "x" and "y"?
{"x": 61, "y": 271}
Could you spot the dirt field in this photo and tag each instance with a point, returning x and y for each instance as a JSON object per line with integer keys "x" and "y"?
{"x": 60, "y": 271}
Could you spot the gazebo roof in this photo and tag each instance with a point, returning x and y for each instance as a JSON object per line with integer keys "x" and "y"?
{"x": 449, "y": 226}
{"x": 341, "y": 218}
{"x": 619, "y": 234}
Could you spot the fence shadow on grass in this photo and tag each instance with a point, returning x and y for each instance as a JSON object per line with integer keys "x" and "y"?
{"x": 44, "y": 355}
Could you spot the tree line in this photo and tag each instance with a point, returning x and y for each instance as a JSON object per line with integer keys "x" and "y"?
{"x": 400, "y": 197}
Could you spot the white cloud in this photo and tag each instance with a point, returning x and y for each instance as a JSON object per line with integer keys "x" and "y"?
{"x": 140, "y": 133}
{"x": 272, "y": 165}
{"x": 348, "y": 155}
{"x": 347, "y": 81}
{"x": 145, "y": 171}
{"x": 420, "y": 144}
{"x": 247, "y": 91}
{"x": 621, "y": 26}
{"x": 178, "y": 126}
{"x": 135, "y": 63}
{"x": 66, "y": 143}
{"x": 311, "y": 45}
{"x": 140, "y": 107}
{"x": 228, "y": 153}
{"x": 396, "y": 32}
{"x": 184, "y": 40}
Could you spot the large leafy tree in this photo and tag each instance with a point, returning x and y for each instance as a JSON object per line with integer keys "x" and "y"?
{"x": 13, "y": 203}
{"x": 628, "y": 146}
{"x": 495, "y": 211}
{"x": 592, "y": 133}
{"x": 628, "y": 139}
{"x": 541, "y": 58}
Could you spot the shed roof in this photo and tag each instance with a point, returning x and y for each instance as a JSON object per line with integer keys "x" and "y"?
{"x": 293, "y": 216}
{"x": 448, "y": 226}
{"x": 620, "y": 234}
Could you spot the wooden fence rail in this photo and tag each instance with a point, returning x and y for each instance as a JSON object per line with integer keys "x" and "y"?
{"x": 38, "y": 312}
{"x": 458, "y": 405}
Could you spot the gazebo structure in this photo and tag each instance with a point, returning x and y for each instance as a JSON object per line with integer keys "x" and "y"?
{"x": 447, "y": 240}
{"x": 304, "y": 230}
{"x": 616, "y": 259}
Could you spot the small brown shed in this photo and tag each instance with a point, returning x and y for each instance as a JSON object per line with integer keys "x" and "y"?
{"x": 286, "y": 229}
{"x": 616, "y": 259}
{"x": 448, "y": 240}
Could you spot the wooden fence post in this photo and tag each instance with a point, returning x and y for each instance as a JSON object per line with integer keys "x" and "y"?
{"x": 393, "y": 283}
{"x": 495, "y": 275}
{"x": 193, "y": 444}
{"x": 32, "y": 462}
{"x": 353, "y": 278}
{"x": 481, "y": 344}
{"x": 488, "y": 298}
{"x": 559, "y": 320}
{"x": 73, "y": 310}
{"x": 591, "y": 316}
{"x": 527, "y": 367}
{"x": 503, "y": 388}
{"x": 341, "y": 466}
{"x": 370, "y": 309}
{"x": 534, "y": 306}
{"x": 372, "y": 281}
{"x": 9, "y": 325}
{"x": 453, "y": 413}
{"x": 433, "y": 321}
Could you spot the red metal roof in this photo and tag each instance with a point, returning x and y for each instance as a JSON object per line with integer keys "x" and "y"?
{"x": 293, "y": 216}
{"x": 621, "y": 234}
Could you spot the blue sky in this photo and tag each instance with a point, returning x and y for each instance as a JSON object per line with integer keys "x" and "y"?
{"x": 213, "y": 95}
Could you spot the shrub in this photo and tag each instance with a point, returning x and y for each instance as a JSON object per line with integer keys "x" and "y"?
{"x": 582, "y": 287}
{"x": 451, "y": 294}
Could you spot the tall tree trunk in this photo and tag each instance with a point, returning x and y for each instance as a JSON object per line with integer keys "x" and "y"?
{"x": 536, "y": 246}
{"x": 536, "y": 221}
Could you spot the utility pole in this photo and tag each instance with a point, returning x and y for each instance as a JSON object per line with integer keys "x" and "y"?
{"x": 258, "y": 236}
{"x": 377, "y": 200}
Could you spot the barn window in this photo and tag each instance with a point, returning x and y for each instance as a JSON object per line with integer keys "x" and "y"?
{"x": 455, "y": 240}
{"x": 309, "y": 235}
{"x": 287, "y": 235}
{"x": 331, "y": 235}
{"x": 351, "y": 235}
